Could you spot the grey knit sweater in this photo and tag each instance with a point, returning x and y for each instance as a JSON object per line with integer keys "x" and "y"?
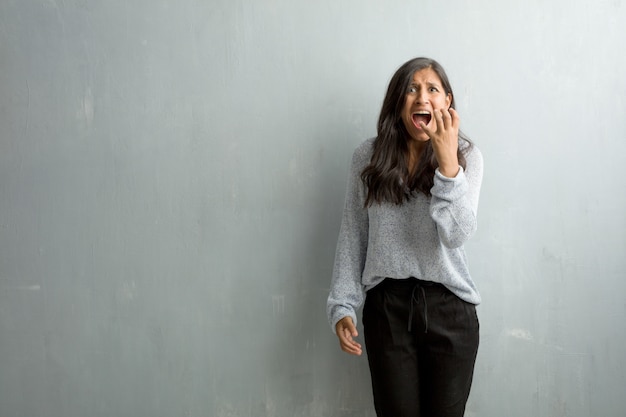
{"x": 422, "y": 238}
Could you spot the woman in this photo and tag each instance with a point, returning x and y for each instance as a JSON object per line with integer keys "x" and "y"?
{"x": 410, "y": 206}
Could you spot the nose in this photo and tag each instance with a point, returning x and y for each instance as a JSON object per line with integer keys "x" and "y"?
{"x": 421, "y": 97}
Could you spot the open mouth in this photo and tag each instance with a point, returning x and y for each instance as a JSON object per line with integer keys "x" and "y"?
{"x": 421, "y": 116}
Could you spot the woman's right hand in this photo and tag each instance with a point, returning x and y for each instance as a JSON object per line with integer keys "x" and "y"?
{"x": 346, "y": 332}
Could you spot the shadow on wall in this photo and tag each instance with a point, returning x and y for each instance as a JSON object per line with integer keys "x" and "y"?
{"x": 313, "y": 377}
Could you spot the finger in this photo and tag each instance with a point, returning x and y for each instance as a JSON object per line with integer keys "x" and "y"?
{"x": 346, "y": 333}
{"x": 352, "y": 349}
{"x": 347, "y": 336}
{"x": 456, "y": 120}
{"x": 349, "y": 345}
{"x": 447, "y": 119}
{"x": 439, "y": 120}
{"x": 347, "y": 323}
{"x": 356, "y": 352}
{"x": 427, "y": 130}
{"x": 351, "y": 328}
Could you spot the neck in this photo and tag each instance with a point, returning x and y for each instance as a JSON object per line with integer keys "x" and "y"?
{"x": 415, "y": 153}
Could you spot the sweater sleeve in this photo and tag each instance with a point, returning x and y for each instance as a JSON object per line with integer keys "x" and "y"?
{"x": 346, "y": 291}
{"x": 454, "y": 202}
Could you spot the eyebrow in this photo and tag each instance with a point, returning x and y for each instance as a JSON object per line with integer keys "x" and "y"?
{"x": 430, "y": 84}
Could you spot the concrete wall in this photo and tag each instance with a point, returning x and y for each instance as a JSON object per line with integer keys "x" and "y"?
{"x": 172, "y": 175}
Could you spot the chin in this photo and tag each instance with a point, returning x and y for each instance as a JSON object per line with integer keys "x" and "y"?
{"x": 420, "y": 137}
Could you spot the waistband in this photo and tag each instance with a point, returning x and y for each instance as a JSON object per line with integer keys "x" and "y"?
{"x": 414, "y": 286}
{"x": 410, "y": 283}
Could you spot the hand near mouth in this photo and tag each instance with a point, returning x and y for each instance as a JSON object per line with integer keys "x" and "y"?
{"x": 445, "y": 140}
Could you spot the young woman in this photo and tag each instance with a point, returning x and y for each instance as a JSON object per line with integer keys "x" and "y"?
{"x": 410, "y": 206}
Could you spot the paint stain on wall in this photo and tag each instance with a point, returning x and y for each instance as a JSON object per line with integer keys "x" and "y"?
{"x": 86, "y": 109}
{"x": 522, "y": 334}
{"x": 278, "y": 305}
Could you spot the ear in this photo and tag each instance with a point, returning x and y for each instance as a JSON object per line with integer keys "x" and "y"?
{"x": 448, "y": 100}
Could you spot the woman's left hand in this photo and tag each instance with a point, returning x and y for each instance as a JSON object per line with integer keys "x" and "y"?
{"x": 445, "y": 140}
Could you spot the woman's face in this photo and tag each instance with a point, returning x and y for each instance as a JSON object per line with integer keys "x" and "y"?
{"x": 425, "y": 94}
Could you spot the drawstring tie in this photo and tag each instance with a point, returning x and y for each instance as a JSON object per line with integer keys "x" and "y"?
{"x": 414, "y": 299}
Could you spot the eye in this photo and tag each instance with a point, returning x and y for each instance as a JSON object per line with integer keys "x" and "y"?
{"x": 412, "y": 90}
{"x": 434, "y": 90}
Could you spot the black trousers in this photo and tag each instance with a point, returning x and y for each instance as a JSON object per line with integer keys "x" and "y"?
{"x": 421, "y": 342}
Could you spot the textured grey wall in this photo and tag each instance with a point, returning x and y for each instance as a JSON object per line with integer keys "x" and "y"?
{"x": 172, "y": 176}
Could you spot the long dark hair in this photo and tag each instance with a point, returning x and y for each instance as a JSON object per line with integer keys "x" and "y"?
{"x": 387, "y": 176}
